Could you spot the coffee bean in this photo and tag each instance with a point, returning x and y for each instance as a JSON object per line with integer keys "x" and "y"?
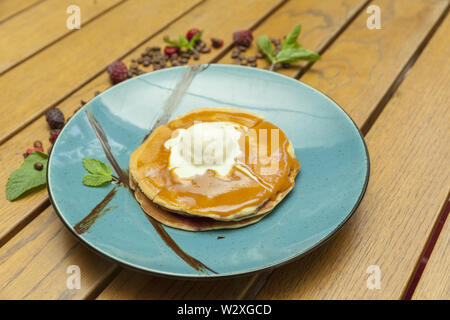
{"x": 175, "y": 63}
{"x": 253, "y": 64}
{"x": 146, "y": 63}
{"x": 242, "y": 56}
{"x": 174, "y": 56}
{"x": 285, "y": 65}
{"x": 259, "y": 55}
{"x": 251, "y": 59}
{"x": 243, "y": 62}
{"x": 38, "y": 166}
{"x": 242, "y": 48}
{"x": 183, "y": 60}
{"x": 83, "y": 102}
{"x": 235, "y": 54}
{"x": 156, "y": 48}
{"x": 165, "y": 38}
{"x": 140, "y": 60}
{"x": 205, "y": 50}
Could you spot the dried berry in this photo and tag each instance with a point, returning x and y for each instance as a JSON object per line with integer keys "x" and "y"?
{"x": 117, "y": 71}
{"x": 191, "y": 33}
{"x": 216, "y": 43}
{"x": 38, "y": 166}
{"x": 55, "y": 118}
{"x": 243, "y": 37}
{"x": 170, "y": 50}
{"x": 30, "y": 151}
{"x": 53, "y": 135}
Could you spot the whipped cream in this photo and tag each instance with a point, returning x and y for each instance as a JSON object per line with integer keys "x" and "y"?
{"x": 204, "y": 146}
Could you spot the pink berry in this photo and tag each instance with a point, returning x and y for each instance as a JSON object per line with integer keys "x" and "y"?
{"x": 169, "y": 50}
{"x": 243, "y": 37}
{"x": 30, "y": 151}
{"x": 53, "y": 135}
{"x": 216, "y": 43}
{"x": 192, "y": 33}
{"x": 117, "y": 71}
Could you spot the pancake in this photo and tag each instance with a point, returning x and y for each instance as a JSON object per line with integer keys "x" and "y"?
{"x": 188, "y": 223}
{"x": 242, "y": 197}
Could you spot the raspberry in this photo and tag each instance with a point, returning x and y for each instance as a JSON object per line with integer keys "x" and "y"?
{"x": 30, "y": 151}
{"x": 243, "y": 37}
{"x": 55, "y": 118}
{"x": 192, "y": 33}
{"x": 117, "y": 71}
{"x": 169, "y": 50}
{"x": 216, "y": 43}
{"x": 53, "y": 135}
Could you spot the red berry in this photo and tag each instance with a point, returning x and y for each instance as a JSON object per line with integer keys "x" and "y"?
{"x": 53, "y": 135}
{"x": 192, "y": 33}
{"x": 117, "y": 71}
{"x": 216, "y": 43}
{"x": 30, "y": 151}
{"x": 169, "y": 50}
{"x": 243, "y": 37}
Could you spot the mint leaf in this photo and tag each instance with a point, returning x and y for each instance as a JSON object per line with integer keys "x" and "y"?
{"x": 266, "y": 47}
{"x": 27, "y": 179}
{"x": 173, "y": 43}
{"x": 291, "y": 39}
{"x": 95, "y": 166}
{"x": 195, "y": 38}
{"x": 100, "y": 172}
{"x": 183, "y": 41}
{"x": 95, "y": 180}
{"x": 292, "y": 55}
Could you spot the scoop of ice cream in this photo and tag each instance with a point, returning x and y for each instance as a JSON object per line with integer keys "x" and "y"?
{"x": 204, "y": 146}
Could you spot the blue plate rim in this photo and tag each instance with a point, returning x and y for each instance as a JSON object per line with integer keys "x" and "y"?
{"x": 224, "y": 275}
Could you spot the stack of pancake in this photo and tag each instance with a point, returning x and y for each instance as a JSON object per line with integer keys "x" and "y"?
{"x": 259, "y": 177}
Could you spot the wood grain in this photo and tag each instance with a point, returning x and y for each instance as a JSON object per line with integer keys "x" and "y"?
{"x": 15, "y": 214}
{"x": 435, "y": 281}
{"x": 52, "y": 74}
{"x": 10, "y": 8}
{"x": 410, "y": 179}
{"x": 321, "y": 22}
{"x": 34, "y": 264}
{"x": 208, "y": 16}
{"x": 41, "y": 25}
{"x": 392, "y": 52}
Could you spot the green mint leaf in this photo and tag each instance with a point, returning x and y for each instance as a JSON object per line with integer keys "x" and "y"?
{"x": 95, "y": 180}
{"x": 266, "y": 47}
{"x": 27, "y": 179}
{"x": 95, "y": 166}
{"x": 183, "y": 41}
{"x": 173, "y": 43}
{"x": 292, "y": 55}
{"x": 291, "y": 39}
{"x": 194, "y": 39}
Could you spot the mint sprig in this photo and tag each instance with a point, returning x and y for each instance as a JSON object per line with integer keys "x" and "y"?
{"x": 291, "y": 50}
{"x": 184, "y": 43}
{"x": 99, "y": 173}
{"x": 27, "y": 179}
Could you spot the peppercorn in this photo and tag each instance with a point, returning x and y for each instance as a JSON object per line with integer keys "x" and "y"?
{"x": 38, "y": 166}
{"x": 55, "y": 118}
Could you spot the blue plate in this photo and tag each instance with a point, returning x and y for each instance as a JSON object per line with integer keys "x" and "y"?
{"x": 331, "y": 183}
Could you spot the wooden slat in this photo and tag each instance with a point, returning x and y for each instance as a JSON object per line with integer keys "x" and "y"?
{"x": 410, "y": 179}
{"x": 52, "y": 74}
{"x": 15, "y": 214}
{"x": 394, "y": 56}
{"x": 434, "y": 283}
{"x": 11, "y": 8}
{"x": 209, "y": 16}
{"x": 27, "y": 33}
{"x": 132, "y": 285}
{"x": 35, "y": 263}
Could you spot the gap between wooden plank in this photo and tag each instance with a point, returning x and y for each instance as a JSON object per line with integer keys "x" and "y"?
{"x": 59, "y": 38}
{"x": 8, "y": 134}
{"x": 427, "y": 251}
{"x": 12, "y": 15}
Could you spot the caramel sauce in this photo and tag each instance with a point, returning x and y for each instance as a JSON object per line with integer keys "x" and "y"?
{"x": 249, "y": 184}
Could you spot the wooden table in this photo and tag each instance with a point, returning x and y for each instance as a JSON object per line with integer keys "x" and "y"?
{"x": 393, "y": 81}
